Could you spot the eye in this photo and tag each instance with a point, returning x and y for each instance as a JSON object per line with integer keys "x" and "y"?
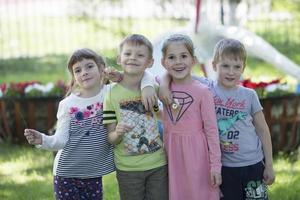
{"x": 77, "y": 70}
{"x": 184, "y": 56}
{"x": 126, "y": 53}
{"x": 141, "y": 55}
{"x": 171, "y": 57}
{"x": 90, "y": 66}
{"x": 238, "y": 66}
{"x": 224, "y": 65}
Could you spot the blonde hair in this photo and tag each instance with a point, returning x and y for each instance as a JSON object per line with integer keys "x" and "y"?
{"x": 78, "y": 56}
{"x": 137, "y": 39}
{"x": 229, "y": 47}
{"x": 184, "y": 39}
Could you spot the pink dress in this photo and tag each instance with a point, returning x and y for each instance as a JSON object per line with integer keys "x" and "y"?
{"x": 189, "y": 131}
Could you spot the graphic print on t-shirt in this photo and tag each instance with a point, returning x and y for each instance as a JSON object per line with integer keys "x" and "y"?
{"x": 184, "y": 101}
{"x": 85, "y": 118}
{"x": 229, "y": 112}
{"x": 144, "y": 137}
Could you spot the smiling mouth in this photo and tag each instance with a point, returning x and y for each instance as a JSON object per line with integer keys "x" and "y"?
{"x": 132, "y": 64}
{"x": 87, "y": 79}
{"x": 230, "y": 79}
{"x": 179, "y": 69}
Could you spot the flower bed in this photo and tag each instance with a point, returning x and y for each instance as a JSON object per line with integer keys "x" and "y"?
{"x": 282, "y": 112}
{"x": 32, "y": 89}
{"x": 272, "y": 88}
{"x": 28, "y": 105}
{"x": 32, "y": 105}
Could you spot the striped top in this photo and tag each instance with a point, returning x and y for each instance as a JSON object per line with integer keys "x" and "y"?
{"x": 81, "y": 139}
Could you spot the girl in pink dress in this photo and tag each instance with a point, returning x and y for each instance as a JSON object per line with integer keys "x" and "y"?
{"x": 191, "y": 134}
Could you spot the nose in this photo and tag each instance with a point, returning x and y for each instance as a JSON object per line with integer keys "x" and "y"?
{"x": 231, "y": 70}
{"x": 178, "y": 60}
{"x": 84, "y": 72}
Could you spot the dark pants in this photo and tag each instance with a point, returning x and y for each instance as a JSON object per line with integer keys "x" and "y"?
{"x": 244, "y": 183}
{"x": 144, "y": 185}
{"x": 77, "y": 189}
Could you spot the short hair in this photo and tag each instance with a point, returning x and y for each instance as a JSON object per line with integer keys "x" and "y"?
{"x": 77, "y": 56}
{"x": 85, "y": 53}
{"x": 181, "y": 38}
{"x": 230, "y": 47}
{"x": 137, "y": 39}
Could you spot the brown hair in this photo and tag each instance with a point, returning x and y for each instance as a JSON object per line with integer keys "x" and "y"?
{"x": 137, "y": 39}
{"x": 229, "y": 47}
{"x": 78, "y": 56}
{"x": 184, "y": 39}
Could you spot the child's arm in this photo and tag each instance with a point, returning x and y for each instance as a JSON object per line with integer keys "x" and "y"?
{"x": 149, "y": 96}
{"x": 209, "y": 121}
{"x": 164, "y": 91}
{"x": 263, "y": 133}
{"x": 116, "y": 132}
{"x": 165, "y": 94}
{"x": 113, "y": 74}
{"x": 215, "y": 179}
{"x": 52, "y": 142}
{"x": 33, "y": 136}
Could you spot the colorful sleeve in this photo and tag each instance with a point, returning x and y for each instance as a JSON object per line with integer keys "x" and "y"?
{"x": 211, "y": 130}
{"x": 109, "y": 112}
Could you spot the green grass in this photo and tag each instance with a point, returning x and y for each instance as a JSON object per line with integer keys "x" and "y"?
{"x": 26, "y": 173}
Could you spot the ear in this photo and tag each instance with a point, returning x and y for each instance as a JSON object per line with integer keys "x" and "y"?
{"x": 118, "y": 60}
{"x": 195, "y": 61}
{"x": 244, "y": 66}
{"x": 214, "y": 65}
{"x": 151, "y": 61}
{"x": 101, "y": 68}
{"x": 162, "y": 61}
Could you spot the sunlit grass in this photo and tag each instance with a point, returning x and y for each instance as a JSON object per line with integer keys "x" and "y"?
{"x": 287, "y": 184}
{"x": 26, "y": 173}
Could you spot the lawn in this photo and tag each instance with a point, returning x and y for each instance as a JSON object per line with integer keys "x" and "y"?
{"x": 26, "y": 173}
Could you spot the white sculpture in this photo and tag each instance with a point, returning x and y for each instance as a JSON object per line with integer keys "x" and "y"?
{"x": 210, "y": 32}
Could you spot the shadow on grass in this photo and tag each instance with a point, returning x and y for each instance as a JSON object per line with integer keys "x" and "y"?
{"x": 27, "y": 190}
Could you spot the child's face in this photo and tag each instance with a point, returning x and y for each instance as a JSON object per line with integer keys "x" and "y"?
{"x": 178, "y": 62}
{"x": 134, "y": 58}
{"x": 87, "y": 74}
{"x": 229, "y": 70}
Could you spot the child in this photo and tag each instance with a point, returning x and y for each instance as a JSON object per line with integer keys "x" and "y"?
{"x": 191, "y": 133}
{"x": 244, "y": 134}
{"x": 84, "y": 154}
{"x": 139, "y": 156}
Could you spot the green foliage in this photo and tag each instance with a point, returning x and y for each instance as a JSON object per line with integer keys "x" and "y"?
{"x": 42, "y": 69}
{"x": 286, "y": 5}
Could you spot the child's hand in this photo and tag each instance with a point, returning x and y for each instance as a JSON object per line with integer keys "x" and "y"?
{"x": 149, "y": 98}
{"x": 33, "y": 137}
{"x": 112, "y": 74}
{"x": 165, "y": 95}
{"x": 215, "y": 179}
{"x": 123, "y": 128}
{"x": 269, "y": 175}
